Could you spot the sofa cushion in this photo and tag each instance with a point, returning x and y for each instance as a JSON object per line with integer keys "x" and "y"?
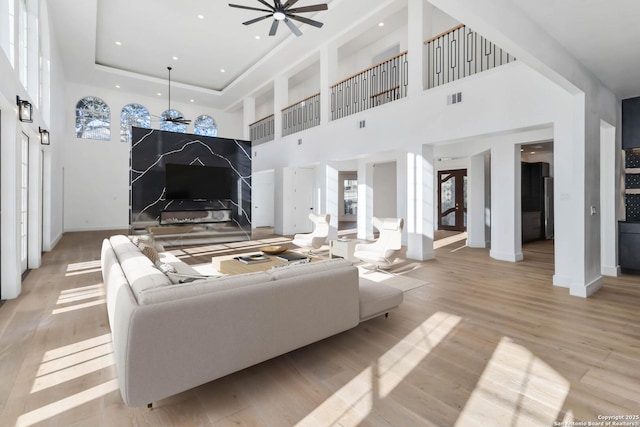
{"x": 312, "y": 267}
{"x": 138, "y": 269}
{"x": 201, "y": 287}
{"x": 377, "y": 298}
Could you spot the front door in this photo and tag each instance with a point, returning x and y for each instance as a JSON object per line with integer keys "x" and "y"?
{"x": 452, "y": 200}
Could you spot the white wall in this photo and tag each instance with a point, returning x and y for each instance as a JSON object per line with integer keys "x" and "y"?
{"x": 385, "y": 190}
{"x": 45, "y": 211}
{"x": 96, "y": 173}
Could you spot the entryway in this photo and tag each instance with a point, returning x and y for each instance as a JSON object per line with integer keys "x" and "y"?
{"x": 452, "y": 200}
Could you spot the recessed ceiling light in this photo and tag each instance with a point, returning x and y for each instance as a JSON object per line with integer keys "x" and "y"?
{"x": 159, "y": 94}
{"x": 257, "y": 37}
{"x": 192, "y": 100}
{"x": 175, "y": 58}
{"x": 222, "y": 70}
{"x": 117, "y": 86}
{"x": 201, "y": 16}
{"x": 118, "y": 43}
{"x": 381, "y": 24}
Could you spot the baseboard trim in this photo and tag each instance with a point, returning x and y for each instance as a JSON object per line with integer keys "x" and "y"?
{"x": 587, "y": 290}
{"x": 505, "y": 256}
{"x": 613, "y": 271}
{"x": 561, "y": 281}
{"x": 480, "y": 244}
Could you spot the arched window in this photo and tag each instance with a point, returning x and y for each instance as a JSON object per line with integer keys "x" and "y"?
{"x": 205, "y": 125}
{"x": 93, "y": 119}
{"x": 133, "y": 115}
{"x": 172, "y": 126}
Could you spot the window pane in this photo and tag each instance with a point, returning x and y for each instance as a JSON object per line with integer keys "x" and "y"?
{"x": 133, "y": 115}
{"x": 93, "y": 119}
{"x": 172, "y": 126}
{"x": 350, "y": 197}
{"x": 205, "y": 125}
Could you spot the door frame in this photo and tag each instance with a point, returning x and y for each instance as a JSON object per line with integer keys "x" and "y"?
{"x": 460, "y": 207}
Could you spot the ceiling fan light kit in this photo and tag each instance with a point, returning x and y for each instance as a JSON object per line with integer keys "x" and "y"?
{"x": 284, "y": 13}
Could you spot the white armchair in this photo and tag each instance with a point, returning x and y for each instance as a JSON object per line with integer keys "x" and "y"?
{"x": 385, "y": 249}
{"x": 318, "y": 236}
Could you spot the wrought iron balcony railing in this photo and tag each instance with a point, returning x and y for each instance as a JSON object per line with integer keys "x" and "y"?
{"x": 302, "y": 115}
{"x": 377, "y": 85}
{"x": 263, "y": 130}
{"x": 460, "y": 52}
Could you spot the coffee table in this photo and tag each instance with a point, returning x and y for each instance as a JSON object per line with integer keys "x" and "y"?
{"x": 229, "y": 265}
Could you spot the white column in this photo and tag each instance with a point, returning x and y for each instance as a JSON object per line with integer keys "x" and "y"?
{"x": 415, "y": 39}
{"x": 280, "y": 101}
{"x": 506, "y": 206}
{"x": 419, "y": 222}
{"x": 610, "y": 185}
{"x": 327, "y": 196}
{"x": 365, "y": 200}
{"x": 476, "y": 207}
{"x": 328, "y": 76}
{"x": 248, "y": 116}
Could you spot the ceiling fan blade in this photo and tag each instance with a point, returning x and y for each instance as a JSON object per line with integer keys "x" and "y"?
{"x": 274, "y": 27}
{"x": 305, "y": 20}
{"x": 312, "y": 8}
{"x": 252, "y": 21}
{"x": 293, "y": 28}
{"x": 268, "y": 5}
{"x": 289, "y": 3}
{"x": 239, "y": 6}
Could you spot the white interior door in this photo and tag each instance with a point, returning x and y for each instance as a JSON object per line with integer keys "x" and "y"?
{"x": 303, "y": 179}
{"x": 262, "y": 195}
{"x": 24, "y": 201}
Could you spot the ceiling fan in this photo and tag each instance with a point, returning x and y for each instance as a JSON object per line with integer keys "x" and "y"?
{"x": 167, "y": 116}
{"x": 284, "y": 12}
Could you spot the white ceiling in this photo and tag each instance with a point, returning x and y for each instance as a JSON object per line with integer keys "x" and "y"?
{"x": 602, "y": 34}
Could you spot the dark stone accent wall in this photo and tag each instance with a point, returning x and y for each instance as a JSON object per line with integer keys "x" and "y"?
{"x": 151, "y": 150}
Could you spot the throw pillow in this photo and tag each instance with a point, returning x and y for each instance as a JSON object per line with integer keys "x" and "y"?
{"x": 177, "y": 278}
{"x": 150, "y": 252}
{"x": 165, "y": 268}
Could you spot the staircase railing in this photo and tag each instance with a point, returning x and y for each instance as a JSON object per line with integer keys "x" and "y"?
{"x": 263, "y": 130}
{"x": 460, "y": 52}
{"x": 302, "y": 115}
{"x": 377, "y": 85}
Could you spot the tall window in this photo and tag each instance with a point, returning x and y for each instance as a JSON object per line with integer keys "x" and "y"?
{"x": 93, "y": 119}
{"x": 7, "y": 30}
{"x": 23, "y": 44}
{"x": 350, "y": 197}
{"x": 133, "y": 115}
{"x": 205, "y": 125}
{"x": 172, "y": 126}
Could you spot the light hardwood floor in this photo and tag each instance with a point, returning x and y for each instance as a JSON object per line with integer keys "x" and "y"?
{"x": 484, "y": 343}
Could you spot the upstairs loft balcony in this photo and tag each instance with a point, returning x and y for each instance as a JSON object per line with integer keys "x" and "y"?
{"x": 262, "y": 130}
{"x": 452, "y": 55}
{"x": 377, "y": 85}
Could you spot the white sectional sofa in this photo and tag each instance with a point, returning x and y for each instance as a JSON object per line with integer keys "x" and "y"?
{"x": 168, "y": 338}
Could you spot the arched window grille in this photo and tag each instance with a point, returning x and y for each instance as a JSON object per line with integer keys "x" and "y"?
{"x": 172, "y": 126}
{"x": 133, "y": 115}
{"x": 93, "y": 119}
{"x": 205, "y": 125}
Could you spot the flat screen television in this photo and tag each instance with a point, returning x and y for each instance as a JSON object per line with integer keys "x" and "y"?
{"x": 195, "y": 182}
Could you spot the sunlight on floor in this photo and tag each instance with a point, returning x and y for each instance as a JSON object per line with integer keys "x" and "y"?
{"x": 516, "y": 388}
{"x": 79, "y": 294}
{"x": 66, "y": 404}
{"x": 353, "y": 403}
{"x": 67, "y": 363}
{"x": 83, "y": 268}
{"x": 406, "y": 355}
{"x": 449, "y": 240}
